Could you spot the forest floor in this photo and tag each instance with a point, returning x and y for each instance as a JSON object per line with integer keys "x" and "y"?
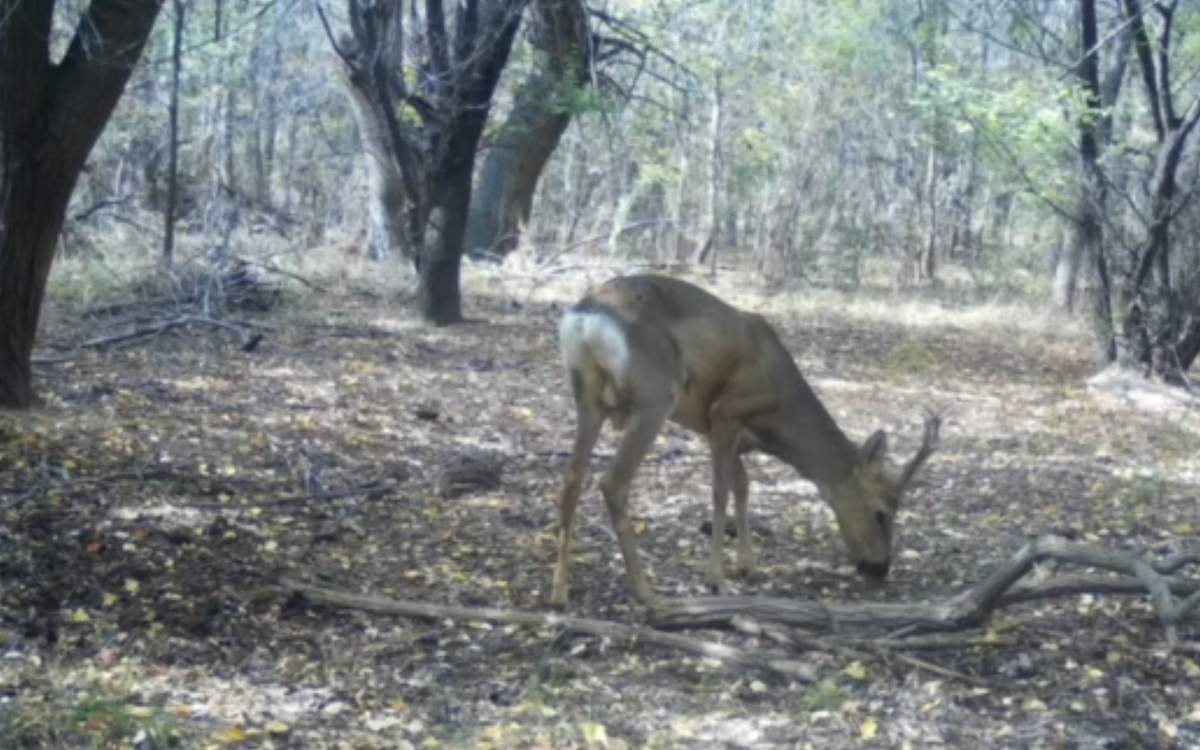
{"x": 148, "y": 506}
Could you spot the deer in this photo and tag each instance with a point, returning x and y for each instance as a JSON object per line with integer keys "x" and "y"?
{"x": 641, "y": 350}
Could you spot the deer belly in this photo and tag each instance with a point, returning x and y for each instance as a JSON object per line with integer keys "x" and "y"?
{"x": 690, "y": 411}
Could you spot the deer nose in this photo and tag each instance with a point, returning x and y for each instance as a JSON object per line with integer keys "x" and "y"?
{"x": 873, "y": 570}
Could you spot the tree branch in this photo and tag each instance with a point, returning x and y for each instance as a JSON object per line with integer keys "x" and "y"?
{"x": 628, "y": 634}
{"x": 967, "y": 609}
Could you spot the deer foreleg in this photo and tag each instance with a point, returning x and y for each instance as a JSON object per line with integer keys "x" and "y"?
{"x": 722, "y": 439}
{"x": 741, "y": 497}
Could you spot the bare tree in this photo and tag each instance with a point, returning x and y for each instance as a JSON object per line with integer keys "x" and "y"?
{"x": 421, "y": 85}
{"x": 1160, "y": 330}
{"x": 51, "y": 116}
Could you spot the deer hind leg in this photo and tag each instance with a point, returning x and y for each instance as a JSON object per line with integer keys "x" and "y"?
{"x": 645, "y": 420}
{"x": 741, "y": 497}
{"x": 589, "y": 419}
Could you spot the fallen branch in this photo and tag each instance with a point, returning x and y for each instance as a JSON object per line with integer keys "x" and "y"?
{"x": 629, "y": 634}
{"x": 243, "y": 330}
{"x": 966, "y": 610}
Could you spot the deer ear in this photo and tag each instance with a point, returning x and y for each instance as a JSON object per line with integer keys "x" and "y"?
{"x": 872, "y": 451}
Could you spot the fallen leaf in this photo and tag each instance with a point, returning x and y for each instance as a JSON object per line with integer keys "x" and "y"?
{"x": 869, "y": 728}
{"x": 595, "y": 733}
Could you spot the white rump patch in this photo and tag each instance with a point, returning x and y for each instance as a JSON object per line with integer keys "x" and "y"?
{"x": 593, "y": 339}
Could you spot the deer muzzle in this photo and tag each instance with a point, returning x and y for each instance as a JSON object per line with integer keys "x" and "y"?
{"x": 874, "y": 570}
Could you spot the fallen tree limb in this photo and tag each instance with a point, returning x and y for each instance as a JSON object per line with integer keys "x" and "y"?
{"x": 629, "y": 634}
{"x": 965, "y": 610}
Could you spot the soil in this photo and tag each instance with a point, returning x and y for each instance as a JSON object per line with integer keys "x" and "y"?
{"x": 151, "y": 502}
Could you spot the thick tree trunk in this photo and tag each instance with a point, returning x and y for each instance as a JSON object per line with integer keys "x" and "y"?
{"x": 50, "y": 117}
{"x": 32, "y": 219}
{"x": 509, "y": 178}
{"x": 503, "y": 200}
{"x": 439, "y": 300}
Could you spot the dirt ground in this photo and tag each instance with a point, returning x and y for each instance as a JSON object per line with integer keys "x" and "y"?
{"x": 148, "y": 506}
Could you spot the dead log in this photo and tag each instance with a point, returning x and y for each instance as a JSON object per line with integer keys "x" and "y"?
{"x": 967, "y": 609}
{"x": 629, "y": 634}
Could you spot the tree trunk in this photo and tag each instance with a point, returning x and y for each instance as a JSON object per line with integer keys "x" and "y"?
{"x": 540, "y": 115}
{"x": 708, "y": 249}
{"x": 1157, "y": 335}
{"x": 50, "y": 119}
{"x": 386, "y": 194}
{"x": 509, "y": 178}
{"x": 1066, "y": 271}
{"x": 439, "y": 300}
{"x": 172, "y": 207}
{"x": 1089, "y": 229}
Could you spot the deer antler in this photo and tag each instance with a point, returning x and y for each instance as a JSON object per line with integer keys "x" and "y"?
{"x": 929, "y": 441}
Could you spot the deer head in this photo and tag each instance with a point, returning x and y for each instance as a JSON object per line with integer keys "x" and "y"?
{"x": 866, "y": 502}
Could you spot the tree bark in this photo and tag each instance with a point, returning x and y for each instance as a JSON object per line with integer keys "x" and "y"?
{"x": 540, "y": 115}
{"x": 387, "y": 201}
{"x": 171, "y": 209}
{"x": 1088, "y": 239}
{"x": 50, "y": 117}
{"x": 439, "y": 300}
{"x": 1064, "y": 291}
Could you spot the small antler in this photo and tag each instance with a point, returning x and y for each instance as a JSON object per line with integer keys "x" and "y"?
{"x": 929, "y": 441}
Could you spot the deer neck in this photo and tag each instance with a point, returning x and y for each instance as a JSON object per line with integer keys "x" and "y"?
{"x": 811, "y": 441}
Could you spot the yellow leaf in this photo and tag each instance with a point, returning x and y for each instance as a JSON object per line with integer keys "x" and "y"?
{"x": 399, "y": 705}
{"x": 869, "y": 728}
{"x": 639, "y": 526}
{"x": 1112, "y": 657}
{"x": 856, "y": 670}
{"x": 758, "y": 687}
{"x": 1190, "y": 668}
{"x": 595, "y": 733}
{"x": 139, "y": 712}
{"x": 1094, "y": 673}
{"x": 1033, "y": 704}
{"x": 109, "y": 599}
{"x": 1168, "y": 728}
{"x": 277, "y": 728}
{"x": 80, "y": 617}
{"x": 233, "y": 735}
{"x": 132, "y": 585}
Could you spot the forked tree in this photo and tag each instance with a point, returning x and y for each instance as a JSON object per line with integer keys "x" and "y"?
{"x": 51, "y": 114}
{"x": 421, "y": 81}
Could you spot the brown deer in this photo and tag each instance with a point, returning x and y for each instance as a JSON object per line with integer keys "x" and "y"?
{"x": 644, "y": 349}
